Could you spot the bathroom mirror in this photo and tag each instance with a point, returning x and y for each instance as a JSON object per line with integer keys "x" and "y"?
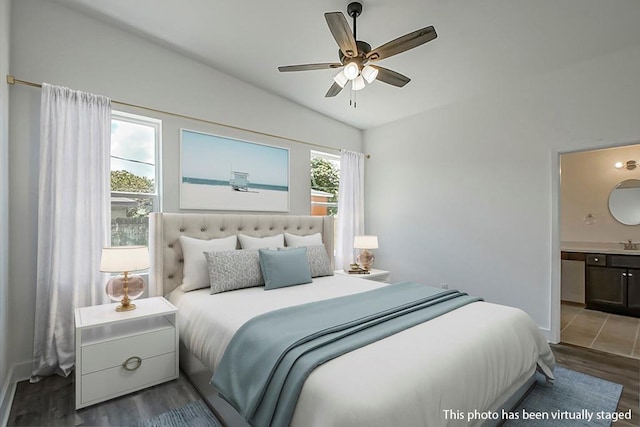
{"x": 624, "y": 202}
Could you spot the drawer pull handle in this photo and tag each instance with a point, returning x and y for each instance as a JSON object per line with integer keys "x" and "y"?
{"x": 136, "y": 359}
{"x": 596, "y": 259}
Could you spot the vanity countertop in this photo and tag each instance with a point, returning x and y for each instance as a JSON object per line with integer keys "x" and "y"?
{"x": 597, "y": 248}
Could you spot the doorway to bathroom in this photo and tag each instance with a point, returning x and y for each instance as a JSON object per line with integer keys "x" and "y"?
{"x": 598, "y": 286}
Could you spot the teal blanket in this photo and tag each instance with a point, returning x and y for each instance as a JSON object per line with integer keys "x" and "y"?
{"x": 268, "y": 359}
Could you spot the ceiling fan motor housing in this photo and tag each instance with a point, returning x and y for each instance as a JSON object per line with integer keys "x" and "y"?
{"x": 363, "y": 49}
{"x": 354, "y": 9}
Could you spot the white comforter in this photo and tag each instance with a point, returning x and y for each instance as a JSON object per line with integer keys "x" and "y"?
{"x": 434, "y": 374}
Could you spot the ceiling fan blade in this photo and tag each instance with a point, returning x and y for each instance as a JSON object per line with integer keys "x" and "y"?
{"x": 342, "y": 33}
{"x": 401, "y": 44}
{"x": 391, "y": 77}
{"x": 309, "y": 67}
{"x": 333, "y": 90}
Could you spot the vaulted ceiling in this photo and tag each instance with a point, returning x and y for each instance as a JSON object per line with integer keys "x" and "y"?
{"x": 482, "y": 46}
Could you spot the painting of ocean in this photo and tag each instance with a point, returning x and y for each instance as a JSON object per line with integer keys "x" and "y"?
{"x": 219, "y": 173}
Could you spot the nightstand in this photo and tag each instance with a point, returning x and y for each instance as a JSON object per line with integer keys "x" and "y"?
{"x": 121, "y": 352}
{"x": 377, "y": 275}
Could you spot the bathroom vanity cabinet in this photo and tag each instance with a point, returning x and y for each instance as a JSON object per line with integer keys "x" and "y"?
{"x": 612, "y": 283}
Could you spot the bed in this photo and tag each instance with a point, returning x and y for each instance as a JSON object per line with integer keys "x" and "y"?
{"x": 460, "y": 368}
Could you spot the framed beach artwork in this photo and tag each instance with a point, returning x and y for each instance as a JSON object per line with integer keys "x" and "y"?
{"x": 219, "y": 173}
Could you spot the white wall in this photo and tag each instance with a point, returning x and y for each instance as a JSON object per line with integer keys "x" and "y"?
{"x": 4, "y": 205}
{"x": 587, "y": 179}
{"x": 468, "y": 194}
{"x": 54, "y": 44}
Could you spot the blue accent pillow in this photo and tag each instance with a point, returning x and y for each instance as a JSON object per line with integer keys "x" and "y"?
{"x": 318, "y": 258}
{"x": 284, "y": 268}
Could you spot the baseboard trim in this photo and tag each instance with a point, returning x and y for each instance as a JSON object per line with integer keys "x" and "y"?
{"x": 18, "y": 372}
{"x": 548, "y": 335}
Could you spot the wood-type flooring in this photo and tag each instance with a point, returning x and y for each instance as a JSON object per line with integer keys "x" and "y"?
{"x": 50, "y": 402}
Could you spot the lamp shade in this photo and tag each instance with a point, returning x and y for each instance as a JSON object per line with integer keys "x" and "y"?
{"x": 118, "y": 259}
{"x": 369, "y": 73}
{"x": 357, "y": 83}
{"x": 365, "y": 242}
{"x": 351, "y": 70}
{"x": 341, "y": 79}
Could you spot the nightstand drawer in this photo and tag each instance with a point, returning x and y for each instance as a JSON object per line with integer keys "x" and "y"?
{"x": 109, "y": 354}
{"x": 145, "y": 339}
{"x": 116, "y": 381}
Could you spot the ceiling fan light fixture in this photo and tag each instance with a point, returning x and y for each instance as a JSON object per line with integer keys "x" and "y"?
{"x": 358, "y": 83}
{"x": 369, "y": 73}
{"x": 354, "y": 54}
{"x": 341, "y": 79}
{"x": 351, "y": 70}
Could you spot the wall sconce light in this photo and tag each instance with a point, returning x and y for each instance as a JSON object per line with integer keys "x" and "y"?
{"x": 629, "y": 165}
{"x": 590, "y": 219}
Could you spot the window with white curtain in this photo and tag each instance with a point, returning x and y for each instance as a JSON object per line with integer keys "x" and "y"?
{"x": 135, "y": 177}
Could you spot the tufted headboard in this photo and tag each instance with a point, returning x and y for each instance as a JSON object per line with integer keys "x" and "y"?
{"x": 165, "y": 273}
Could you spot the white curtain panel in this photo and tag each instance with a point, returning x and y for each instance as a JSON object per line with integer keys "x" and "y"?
{"x": 73, "y": 220}
{"x": 350, "y": 206}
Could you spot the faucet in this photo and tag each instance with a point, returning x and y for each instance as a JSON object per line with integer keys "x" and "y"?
{"x": 629, "y": 245}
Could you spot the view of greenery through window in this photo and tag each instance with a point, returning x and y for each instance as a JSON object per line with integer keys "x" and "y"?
{"x": 325, "y": 181}
{"x": 125, "y": 181}
{"x": 133, "y": 178}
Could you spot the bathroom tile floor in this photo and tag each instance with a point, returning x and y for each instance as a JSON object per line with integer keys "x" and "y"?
{"x": 606, "y": 332}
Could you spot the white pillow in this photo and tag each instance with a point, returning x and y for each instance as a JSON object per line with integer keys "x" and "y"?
{"x": 295, "y": 241}
{"x": 195, "y": 271}
{"x": 271, "y": 242}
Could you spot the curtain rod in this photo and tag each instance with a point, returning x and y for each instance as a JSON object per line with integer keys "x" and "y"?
{"x": 13, "y": 81}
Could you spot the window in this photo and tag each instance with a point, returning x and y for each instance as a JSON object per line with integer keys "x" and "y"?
{"x": 325, "y": 180}
{"x": 135, "y": 148}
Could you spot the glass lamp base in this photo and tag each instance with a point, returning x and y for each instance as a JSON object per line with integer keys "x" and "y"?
{"x": 124, "y": 289}
{"x": 365, "y": 259}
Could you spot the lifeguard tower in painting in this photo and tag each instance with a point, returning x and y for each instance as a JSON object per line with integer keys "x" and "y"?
{"x": 239, "y": 181}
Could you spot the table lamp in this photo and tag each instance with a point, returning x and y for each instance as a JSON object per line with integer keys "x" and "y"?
{"x": 124, "y": 259}
{"x": 365, "y": 257}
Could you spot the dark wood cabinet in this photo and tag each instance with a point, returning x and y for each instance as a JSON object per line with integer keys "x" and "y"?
{"x": 633, "y": 290}
{"x": 613, "y": 283}
{"x": 606, "y": 285}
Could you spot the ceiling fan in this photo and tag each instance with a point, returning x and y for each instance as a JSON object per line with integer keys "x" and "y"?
{"x": 355, "y": 55}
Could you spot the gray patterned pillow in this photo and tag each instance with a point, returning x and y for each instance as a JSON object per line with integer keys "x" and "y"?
{"x": 319, "y": 261}
{"x": 231, "y": 270}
